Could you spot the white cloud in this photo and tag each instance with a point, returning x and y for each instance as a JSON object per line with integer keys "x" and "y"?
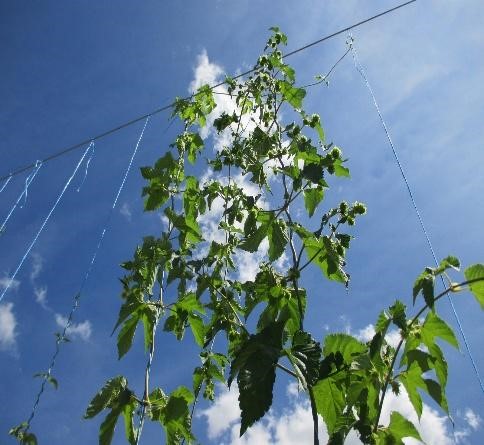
{"x": 37, "y": 265}
{"x": 8, "y": 324}
{"x": 126, "y": 211}
{"x": 366, "y": 334}
{"x": 82, "y": 330}
{"x": 7, "y": 282}
{"x": 294, "y": 423}
{"x": 41, "y": 296}
{"x": 473, "y": 419}
{"x": 223, "y": 412}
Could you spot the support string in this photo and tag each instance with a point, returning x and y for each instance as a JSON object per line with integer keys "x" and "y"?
{"x": 28, "y": 181}
{"x": 62, "y": 337}
{"x": 6, "y": 183}
{"x": 46, "y": 220}
{"x": 92, "y": 147}
{"x": 360, "y": 70}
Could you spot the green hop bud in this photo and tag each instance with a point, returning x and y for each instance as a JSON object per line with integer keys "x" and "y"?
{"x": 335, "y": 153}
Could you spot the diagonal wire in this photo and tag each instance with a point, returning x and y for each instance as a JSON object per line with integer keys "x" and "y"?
{"x": 9, "y": 178}
{"x": 46, "y": 220}
{"x": 360, "y": 70}
{"x": 28, "y": 181}
{"x": 169, "y": 106}
{"x": 62, "y": 337}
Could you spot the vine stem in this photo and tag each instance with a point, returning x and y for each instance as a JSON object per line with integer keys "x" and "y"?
{"x": 399, "y": 346}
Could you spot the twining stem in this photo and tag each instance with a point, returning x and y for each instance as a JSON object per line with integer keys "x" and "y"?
{"x": 400, "y": 343}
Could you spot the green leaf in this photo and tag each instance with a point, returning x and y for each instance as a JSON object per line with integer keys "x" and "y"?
{"x": 106, "y": 430}
{"x": 425, "y": 284}
{"x": 254, "y": 365}
{"x": 411, "y": 380}
{"x": 439, "y": 363}
{"x": 176, "y": 415}
{"x": 433, "y": 327}
{"x": 278, "y": 239}
{"x": 126, "y": 334}
{"x": 198, "y": 328}
{"x": 304, "y": 355}
{"x": 349, "y": 347}
{"x": 398, "y": 428}
{"x": 340, "y": 170}
{"x": 128, "y": 414}
{"x": 21, "y": 433}
{"x": 329, "y": 398}
{"x": 105, "y": 398}
{"x": 252, "y": 242}
{"x": 48, "y": 377}
{"x": 312, "y": 197}
{"x": 448, "y": 263}
{"x": 292, "y": 94}
{"x": 320, "y": 131}
{"x": 477, "y": 288}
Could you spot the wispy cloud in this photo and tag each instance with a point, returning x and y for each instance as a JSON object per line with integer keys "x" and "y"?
{"x": 41, "y": 296}
{"x": 6, "y": 282}
{"x": 8, "y": 324}
{"x": 125, "y": 210}
{"x": 37, "y": 265}
{"x": 82, "y": 330}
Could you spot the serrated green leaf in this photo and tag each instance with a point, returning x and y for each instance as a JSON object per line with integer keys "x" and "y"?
{"x": 292, "y": 94}
{"x": 477, "y": 288}
{"x": 126, "y": 335}
{"x": 329, "y": 398}
{"x": 433, "y": 327}
{"x": 312, "y": 197}
{"x": 425, "y": 284}
{"x": 254, "y": 366}
{"x": 398, "y": 428}
{"x": 349, "y": 347}
{"x": 304, "y": 355}
{"x": 198, "y": 328}
{"x": 251, "y": 243}
{"x": 128, "y": 414}
{"x": 411, "y": 380}
{"x": 278, "y": 239}
{"x": 439, "y": 363}
{"x": 340, "y": 170}
{"x": 320, "y": 131}
{"x": 435, "y": 391}
{"x": 106, "y": 430}
{"x": 105, "y": 398}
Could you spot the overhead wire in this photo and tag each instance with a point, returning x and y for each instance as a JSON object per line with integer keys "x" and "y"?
{"x": 169, "y": 106}
{"x": 362, "y": 73}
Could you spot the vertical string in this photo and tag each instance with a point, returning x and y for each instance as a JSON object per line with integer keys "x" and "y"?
{"x": 360, "y": 69}
{"x": 28, "y": 181}
{"x": 43, "y": 224}
{"x": 62, "y": 338}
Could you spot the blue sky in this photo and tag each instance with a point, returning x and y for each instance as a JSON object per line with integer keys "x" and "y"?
{"x": 71, "y": 70}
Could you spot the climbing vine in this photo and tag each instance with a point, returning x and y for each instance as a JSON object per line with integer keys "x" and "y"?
{"x": 249, "y": 331}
